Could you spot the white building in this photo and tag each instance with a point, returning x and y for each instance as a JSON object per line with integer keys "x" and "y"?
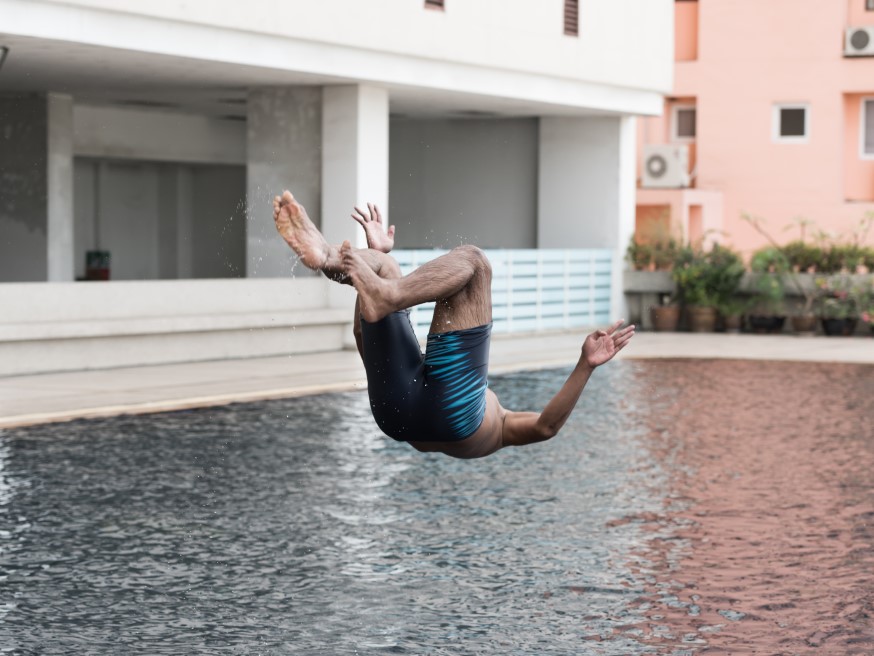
{"x": 159, "y": 131}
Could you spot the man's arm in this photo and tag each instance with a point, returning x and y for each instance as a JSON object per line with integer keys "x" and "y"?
{"x": 521, "y": 428}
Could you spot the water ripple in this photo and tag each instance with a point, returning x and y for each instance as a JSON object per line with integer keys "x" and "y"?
{"x": 686, "y": 506}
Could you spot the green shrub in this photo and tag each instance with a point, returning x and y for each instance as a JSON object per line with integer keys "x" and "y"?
{"x": 840, "y": 257}
{"x": 655, "y": 252}
{"x": 802, "y": 255}
{"x": 769, "y": 259}
{"x": 639, "y": 255}
{"x": 707, "y": 278}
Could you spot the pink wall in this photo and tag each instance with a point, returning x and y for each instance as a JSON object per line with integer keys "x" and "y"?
{"x": 857, "y": 13}
{"x": 686, "y": 31}
{"x": 751, "y": 55}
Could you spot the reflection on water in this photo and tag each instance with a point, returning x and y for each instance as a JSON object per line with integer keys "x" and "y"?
{"x": 765, "y": 543}
{"x": 687, "y": 506}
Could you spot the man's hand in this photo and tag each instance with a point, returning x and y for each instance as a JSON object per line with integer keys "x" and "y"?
{"x": 377, "y": 238}
{"x": 602, "y": 345}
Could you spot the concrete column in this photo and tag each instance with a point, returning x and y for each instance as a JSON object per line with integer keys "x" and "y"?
{"x": 36, "y": 188}
{"x": 355, "y": 157}
{"x": 586, "y": 188}
{"x": 59, "y": 183}
{"x": 284, "y": 151}
{"x": 175, "y": 222}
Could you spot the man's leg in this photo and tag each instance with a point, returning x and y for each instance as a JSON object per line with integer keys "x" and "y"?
{"x": 313, "y": 249}
{"x": 385, "y": 271}
{"x": 316, "y": 253}
{"x": 459, "y": 283}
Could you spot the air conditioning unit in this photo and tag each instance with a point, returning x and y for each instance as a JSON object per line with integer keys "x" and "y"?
{"x": 859, "y": 42}
{"x": 665, "y": 166}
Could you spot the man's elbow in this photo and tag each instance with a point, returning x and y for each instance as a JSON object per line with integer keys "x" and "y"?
{"x": 545, "y": 431}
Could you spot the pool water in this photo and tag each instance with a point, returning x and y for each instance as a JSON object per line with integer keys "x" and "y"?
{"x": 687, "y": 506}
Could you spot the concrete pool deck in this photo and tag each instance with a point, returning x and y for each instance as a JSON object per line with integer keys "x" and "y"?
{"x": 45, "y": 398}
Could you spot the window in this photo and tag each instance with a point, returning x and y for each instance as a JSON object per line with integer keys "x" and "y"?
{"x": 683, "y": 122}
{"x": 434, "y": 4}
{"x": 571, "y": 17}
{"x": 869, "y": 5}
{"x": 791, "y": 123}
{"x": 867, "y": 131}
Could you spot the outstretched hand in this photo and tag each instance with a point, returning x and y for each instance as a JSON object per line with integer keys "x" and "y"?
{"x": 602, "y": 345}
{"x": 377, "y": 237}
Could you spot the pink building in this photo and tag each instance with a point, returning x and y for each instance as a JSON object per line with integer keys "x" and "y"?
{"x": 772, "y": 113}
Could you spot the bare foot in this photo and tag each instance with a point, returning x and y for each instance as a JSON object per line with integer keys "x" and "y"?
{"x": 300, "y": 233}
{"x": 374, "y": 294}
{"x": 371, "y": 220}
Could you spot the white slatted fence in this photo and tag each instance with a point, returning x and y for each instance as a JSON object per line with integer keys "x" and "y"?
{"x": 534, "y": 289}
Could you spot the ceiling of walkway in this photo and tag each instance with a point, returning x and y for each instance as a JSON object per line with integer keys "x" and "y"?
{"x": 95, "y": 75}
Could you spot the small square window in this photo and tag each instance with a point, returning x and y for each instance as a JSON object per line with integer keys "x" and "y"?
{"x": 684, "y": 123}
{"x": 791, "y": 123}
{"x": 868, "y": 128}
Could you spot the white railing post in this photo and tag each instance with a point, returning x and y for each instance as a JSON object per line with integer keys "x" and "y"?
{"x": 538, "y": 307}
{"x": 566, "y": 305}
{"x": 509, "y": 291}
{"x": 591, "y": 319}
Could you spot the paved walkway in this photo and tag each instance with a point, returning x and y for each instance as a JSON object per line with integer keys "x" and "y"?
{"x": 58, "y": 397}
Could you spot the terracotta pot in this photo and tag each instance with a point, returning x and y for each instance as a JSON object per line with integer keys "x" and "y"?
{"x": 702, "y": 319}
{"x": 839, "y": 327}
{"x": 804, "y": 324}
{"x": 732, "y": 323}
{"x": 665, "y": 317}
{"x": 764, "y": 323}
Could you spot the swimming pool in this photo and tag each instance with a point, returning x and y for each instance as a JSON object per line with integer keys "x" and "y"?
{"x": 687, "y": 504}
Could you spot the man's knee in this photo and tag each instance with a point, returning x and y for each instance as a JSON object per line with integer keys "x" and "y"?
{"x": 389, "y": 268}
{"x": 479, "y": 260}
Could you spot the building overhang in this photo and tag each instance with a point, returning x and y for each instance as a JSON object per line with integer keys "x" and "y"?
{"x": 99, "y": 56}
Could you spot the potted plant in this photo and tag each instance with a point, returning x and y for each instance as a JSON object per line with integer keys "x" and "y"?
{"x": 837, "y": 305}
{"x": 666, "y": 315}
{"x": 653, "y": 249}
{"x": 768, "y": 313}
{"x": 664, "y": 252}
{"x": 869, "y": 260}
{"x": 691, "y": 274}
{"x": 786, "y": 260}
{"x": 866, "y": 304}
{"x": 725, "y": 272}
{"x": 706, "y": 279}
{"x": 732, "y": 310}
{"x": 639, "y": 255}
